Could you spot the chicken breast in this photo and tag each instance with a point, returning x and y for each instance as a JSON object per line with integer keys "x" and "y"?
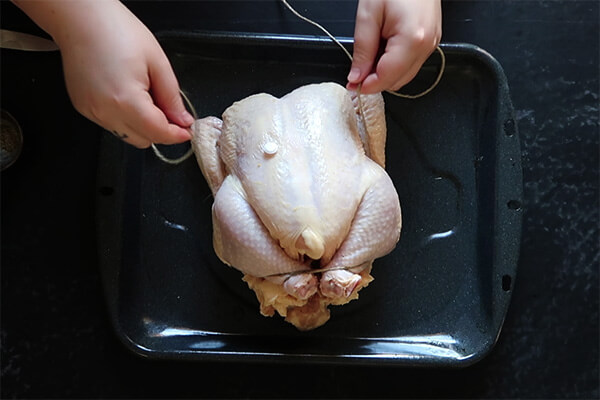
{"x": 299, "y": 186}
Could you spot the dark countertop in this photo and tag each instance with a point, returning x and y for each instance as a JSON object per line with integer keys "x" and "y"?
{"x": 56, "y": 338}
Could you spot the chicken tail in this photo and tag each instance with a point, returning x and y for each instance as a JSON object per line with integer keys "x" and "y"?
{"x": 311, "y": 244}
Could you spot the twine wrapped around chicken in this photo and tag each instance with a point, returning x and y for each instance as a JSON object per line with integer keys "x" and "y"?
{"x": 302, "y": 203}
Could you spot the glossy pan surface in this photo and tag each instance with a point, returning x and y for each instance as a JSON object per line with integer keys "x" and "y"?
{"x": 438, "y": 299}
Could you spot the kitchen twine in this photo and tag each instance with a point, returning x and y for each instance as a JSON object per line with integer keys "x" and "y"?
{"x": 316, "y": 271}
{"x": 175, "y": 161}
{"x": 179, "y": 160}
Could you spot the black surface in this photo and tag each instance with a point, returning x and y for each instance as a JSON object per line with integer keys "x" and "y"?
{"x": 56, "y": 337}
{"x": 438, "y": 298}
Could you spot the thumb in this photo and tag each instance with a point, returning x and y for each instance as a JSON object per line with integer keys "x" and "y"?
{"x": 366, "y": 46}
{"x": 166, "y": 95}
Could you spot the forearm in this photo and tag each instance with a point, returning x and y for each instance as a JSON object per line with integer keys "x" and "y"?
{"x": 68, "y": 20}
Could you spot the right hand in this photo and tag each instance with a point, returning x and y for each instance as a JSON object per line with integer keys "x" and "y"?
{"x": 411, "y": 30}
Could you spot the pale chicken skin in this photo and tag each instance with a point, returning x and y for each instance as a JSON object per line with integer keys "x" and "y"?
{"x": 298, "y": 184}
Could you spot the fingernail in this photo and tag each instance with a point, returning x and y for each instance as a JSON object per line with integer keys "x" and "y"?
{"x": 354, "y": 74}
{"x": 188, "y": 119}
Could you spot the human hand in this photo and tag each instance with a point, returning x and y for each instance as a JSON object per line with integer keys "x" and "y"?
{"x": 116, "y": 73}
{"x": 412, "y": 30}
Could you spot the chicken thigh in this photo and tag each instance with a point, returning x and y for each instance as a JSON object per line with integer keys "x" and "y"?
{"x": 299, "y": 187}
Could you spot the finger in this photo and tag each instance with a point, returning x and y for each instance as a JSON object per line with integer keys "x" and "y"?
{"x": 148, "y": 121}
{"x": 392, "y": 67}
{"x": 407, "y": 77}
{"x": 132, "y": 139}
{"x": 122, "y": 132}
{"x": 352, "y": 86}
{"x": 367, "y": 34}
{"x": 166, "y": 94}
{"x": 412, "y": 72}
{"x": 378, "y": 82}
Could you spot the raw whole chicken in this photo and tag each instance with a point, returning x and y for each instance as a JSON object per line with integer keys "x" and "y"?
{"x": 302, "y": 204}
